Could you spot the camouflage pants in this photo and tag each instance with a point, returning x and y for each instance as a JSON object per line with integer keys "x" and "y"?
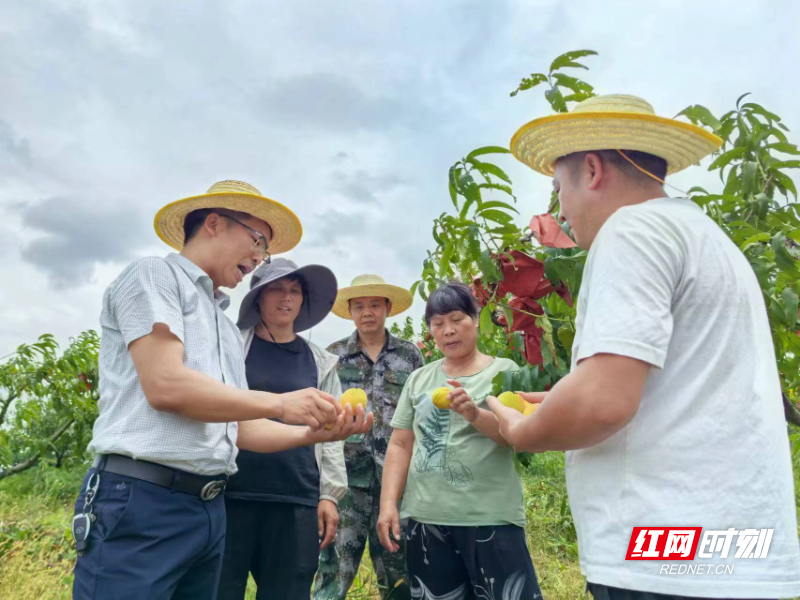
{"x": 338, "y": 563}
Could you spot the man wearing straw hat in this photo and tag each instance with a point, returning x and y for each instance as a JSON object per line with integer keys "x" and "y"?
{"x": 376, "y": 361}
{"x": 150, "y": 518}
{"x": 672, "y": 412}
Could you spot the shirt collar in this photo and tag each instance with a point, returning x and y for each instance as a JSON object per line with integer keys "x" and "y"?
{"x": 354, "y": 345}
{"x": 200, "y": 278}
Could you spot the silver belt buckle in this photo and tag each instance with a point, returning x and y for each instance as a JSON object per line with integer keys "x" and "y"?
{"x": 211, "y": 490}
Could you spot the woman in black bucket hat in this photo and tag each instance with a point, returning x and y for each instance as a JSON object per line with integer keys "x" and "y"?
{"x": 281, "y": 507}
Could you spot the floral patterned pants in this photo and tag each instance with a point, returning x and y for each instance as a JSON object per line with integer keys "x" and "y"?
{"x": 469, "y": 563}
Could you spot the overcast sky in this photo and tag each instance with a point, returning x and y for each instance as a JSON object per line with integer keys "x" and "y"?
{"x": 349, "y": 112}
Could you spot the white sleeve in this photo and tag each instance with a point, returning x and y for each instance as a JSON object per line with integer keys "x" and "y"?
{"x": 635, "y": 269}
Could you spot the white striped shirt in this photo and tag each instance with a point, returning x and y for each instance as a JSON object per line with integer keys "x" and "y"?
{"x": 176, "y": 292}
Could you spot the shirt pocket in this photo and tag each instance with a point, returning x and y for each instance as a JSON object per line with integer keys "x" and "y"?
{"x": 393, "y": 385}
{"x": 350, "y": 377}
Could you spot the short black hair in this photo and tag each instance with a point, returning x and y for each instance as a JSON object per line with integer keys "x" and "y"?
{"x": 451, "y": 297}
{"x": 649, "y": 162}
{"x": 195, "y": 219}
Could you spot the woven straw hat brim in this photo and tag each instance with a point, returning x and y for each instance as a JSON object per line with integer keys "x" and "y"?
{"x": 286, "y": 227}
{"x": 400, "y": 298}
{"x": 540, "y": 143}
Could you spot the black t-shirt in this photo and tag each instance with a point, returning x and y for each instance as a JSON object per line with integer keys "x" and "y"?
{"x": 288, "y": 476}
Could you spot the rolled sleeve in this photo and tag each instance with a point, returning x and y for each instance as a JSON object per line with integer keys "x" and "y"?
{"x": 146, "y": 294}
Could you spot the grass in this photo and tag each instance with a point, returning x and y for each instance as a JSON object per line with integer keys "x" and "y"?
{"x": 37, "y": 554}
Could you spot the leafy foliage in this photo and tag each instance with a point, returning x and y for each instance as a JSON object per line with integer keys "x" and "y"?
{"x": 48, "y": 402}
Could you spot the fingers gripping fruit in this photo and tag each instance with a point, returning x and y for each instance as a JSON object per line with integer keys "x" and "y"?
{"x": 353, "y": 397}
{"x": 440, "y": 398}
{"x": 530, "y": 408}
{"x": 512, "y": 400}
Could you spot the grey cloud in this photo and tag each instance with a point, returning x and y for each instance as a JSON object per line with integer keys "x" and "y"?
{"x": 362, "y": 187}
{"x": 77, "y": 237}
{"x": 15, "y": 152}
{"x": 332, "y": 226}
{"x": 332, "y": 103}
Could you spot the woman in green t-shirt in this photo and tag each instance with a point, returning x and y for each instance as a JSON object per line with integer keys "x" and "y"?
{"x": 463, "y": 498}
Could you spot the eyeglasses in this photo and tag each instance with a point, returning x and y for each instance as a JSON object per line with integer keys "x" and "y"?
{"x": 260, "y": 244}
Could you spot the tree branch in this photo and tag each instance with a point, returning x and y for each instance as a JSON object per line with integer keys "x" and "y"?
{"x": 6, "y": 404}
{"x": 31, "y": 462}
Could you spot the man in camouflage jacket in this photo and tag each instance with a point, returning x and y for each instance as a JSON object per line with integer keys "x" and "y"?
{"x": 379, "y": 363}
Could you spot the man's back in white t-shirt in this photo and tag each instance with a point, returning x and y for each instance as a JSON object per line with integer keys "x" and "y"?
{"x": 708, "y": 446}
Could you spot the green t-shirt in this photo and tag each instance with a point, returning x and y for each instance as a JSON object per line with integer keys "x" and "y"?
{"x": 457, "y": 476}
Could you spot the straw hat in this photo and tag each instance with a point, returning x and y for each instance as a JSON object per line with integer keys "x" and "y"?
{"x": 233, "y": 195}
{"x": 372, "y": 285}
{"x": 612, "y": 122}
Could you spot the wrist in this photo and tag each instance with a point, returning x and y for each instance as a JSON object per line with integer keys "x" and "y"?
{"x": 275, "y": 407}
{"x": 388, "y": 505}
{"x": 475, "y": 415}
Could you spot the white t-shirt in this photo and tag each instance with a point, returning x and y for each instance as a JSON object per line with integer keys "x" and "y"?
{"x": 708, "y": 447}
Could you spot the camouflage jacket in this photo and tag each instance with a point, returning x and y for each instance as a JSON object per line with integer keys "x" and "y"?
{"x": 383, "y": 381}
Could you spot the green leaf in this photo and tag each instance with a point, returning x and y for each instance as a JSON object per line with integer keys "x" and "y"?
{"x": 785, "y": 181}
{"x": 487, "y": 327}
{"x": 488, "y": 150}
{"x": 778, "y": 134}
{"x": 525, "y": 379}
{"x": 755, "y": 239}
{"x": 786, "y": 164}
{"x": 507, "y": 381}
{"x": 498, "y": 204}
{"x": 436, "y": 235}
{"x": 697, "y": 190}
{"x": 576, "y": 85}
{"x": 506, "y": 229}
{"x": 783, "y": 259}
{"x": 498, "y": 186}
{"x": 723, "y": 159}
{"x": 488, "y": 268}
{"x": 414, "y": 287}
{"x": 498, "y": 216}
{"x": 784, "y": 147}
{"x": 453, "y": 194}
{"x": 489, "y": 169}
{"x": 578, "y": 96}
{"x": 566, "y": 336}
{"x": 529, "y": 82}
{"x": 758, "y": 109}
{"x": 567, "y": 59}
{"x": 556, "y": 100}
{"x": 749, "y": 172}
{"x": 445, "y": 270}
{"x": 739, "y": 99}
{"x": 473, "y": 196}
{"x": 698, "y": 112}
{"x": 790, "y": 304}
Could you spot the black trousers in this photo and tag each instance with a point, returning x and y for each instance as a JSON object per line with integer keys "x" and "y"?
{"x": 469, "y": 562}
{"x": 277, "y": 542}
{"x": 603, "y": 592}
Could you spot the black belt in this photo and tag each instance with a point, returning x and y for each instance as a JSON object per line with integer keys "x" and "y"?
{"x": 207, "y": 487}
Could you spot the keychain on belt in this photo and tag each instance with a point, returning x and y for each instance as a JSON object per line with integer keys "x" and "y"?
{"x": 82, "y": 523}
